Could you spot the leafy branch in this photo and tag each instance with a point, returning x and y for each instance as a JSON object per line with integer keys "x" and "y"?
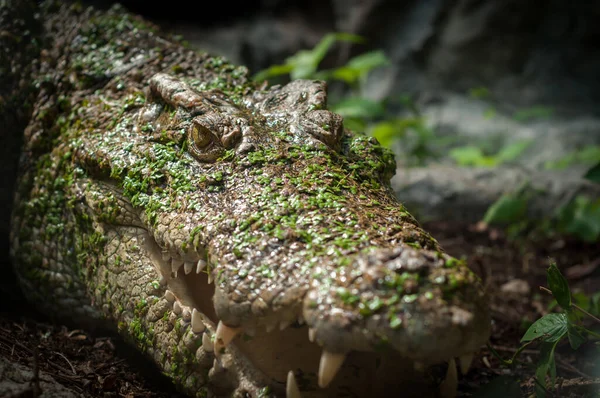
{"x": 552, "y": 328}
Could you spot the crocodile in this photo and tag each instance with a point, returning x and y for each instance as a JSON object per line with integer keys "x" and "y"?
{"x": 234, "y": 232}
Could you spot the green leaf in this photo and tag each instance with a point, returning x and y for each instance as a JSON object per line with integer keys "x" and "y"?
{"x": 549, "y": 328}
{"x": 581, "y": 218}
{"x": 508, "y": 209}
{"x": 275, "y": 70}
{"x": 576, "y": 339}
{"x": 594, "y": 308}
{"x": 512, "y": 151}
{"x": 479, "y": 92}
{"x": 385, "y": 132}
{"x": 593, "y": 174}
{"x": 358, "y": 107}
{"x": 304, "y": 63}
{"x": 471, "y": 156}
{"x": 559, "y": 286}
{"x": 546, "y": 365}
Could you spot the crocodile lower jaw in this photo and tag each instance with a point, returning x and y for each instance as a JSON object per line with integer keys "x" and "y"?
{"x": 284, "y": 349}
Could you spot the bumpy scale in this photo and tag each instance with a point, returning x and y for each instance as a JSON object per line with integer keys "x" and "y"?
{"x": 240, "y": 236}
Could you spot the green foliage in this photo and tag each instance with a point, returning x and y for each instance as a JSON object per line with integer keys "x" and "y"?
{"x": 590, "y": 155}
{"x": 508, "y": 209}
{"x": 580, "y": 218}
{"x": 357, "y": 68}
{"x": 593, "y": 174}
{"x": 552, "y": 328}
{"x": 360, "y": 113}
{"x": 474, "y": 156}
{"x": 304, "y": 64}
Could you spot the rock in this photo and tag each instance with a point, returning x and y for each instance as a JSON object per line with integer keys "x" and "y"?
{"x": 452, "y": 193}
{"x": 16, "y": 381}
{"x": 516, "y": 286}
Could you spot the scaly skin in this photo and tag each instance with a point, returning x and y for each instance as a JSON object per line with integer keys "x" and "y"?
{"x": 217, "y": 224}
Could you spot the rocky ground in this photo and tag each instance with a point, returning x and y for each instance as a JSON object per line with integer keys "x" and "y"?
{"x": 101, "y": 366}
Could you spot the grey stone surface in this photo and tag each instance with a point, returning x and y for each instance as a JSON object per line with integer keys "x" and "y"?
{"x": 451, "y": 193}
{"x": 16, "y": 381}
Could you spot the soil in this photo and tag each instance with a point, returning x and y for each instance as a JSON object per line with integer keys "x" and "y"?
{"x": 94, "y": 365}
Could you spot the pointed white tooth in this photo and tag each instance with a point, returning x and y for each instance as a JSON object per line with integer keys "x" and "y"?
{"x": 284, "y": 324}
{"x": 177, "y": 308}
{"x": 200, "y": 266}
{"x": 166, "y": 256}
{"x": 224, "y": 336}
{"x": 207, "y": 343}
{"x": 291, "y": 387}
{"x": 465, "y": 363}
{"x": 311, "y": 334}
{"x": 162, "y": 281}
{"x": 329, "y": 366}
{"x": 210, "y": 277}
{"x": 217, "y": 365}
{"x": 188, "y": 266}
{"x": 187, "y": 314}
{"x": 449, "y": 386}
{"x": 197, "y": 324}
{"x": 169, "y": 296}
{"x": 175, "y": 264}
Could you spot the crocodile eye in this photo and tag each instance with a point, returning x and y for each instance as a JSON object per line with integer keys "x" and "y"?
{"x": 201, "y": 136}
{"x": 204, "y": 145}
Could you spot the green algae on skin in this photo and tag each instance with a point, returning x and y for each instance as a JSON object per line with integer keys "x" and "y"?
{"x": 144, "y": 155}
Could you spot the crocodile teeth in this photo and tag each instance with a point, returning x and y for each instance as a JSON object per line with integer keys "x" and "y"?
{"x": 197, "y": 324}
{"x": 188, "y": 266}
{"x": 449, "y": 386}
{"x": 207, "y": 343}
{"x": 311, "y": 334}
{"x": 210, "y": 278}
{"x": 177, "y": 308}
{"x": 175, "y": 265}
{"x": 187, "y": 315}
{"x": 224, "y": 336}
{"x": 200, "y": 266}
{"x": 169, "y": 296}
{"x": 284, "y": 324}
{"x": 465, "y": 363}
{"x": 329, "y": 366}
{"x": 291, "y": 387}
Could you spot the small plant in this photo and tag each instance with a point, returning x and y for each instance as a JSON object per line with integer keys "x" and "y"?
{"x": 359, "y": 112}
{"x": 590, "y": 156}
{"x": 474, "y": 156}
{"x": 553, "y": 328}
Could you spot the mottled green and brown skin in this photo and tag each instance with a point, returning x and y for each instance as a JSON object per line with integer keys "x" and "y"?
{"x": 150, "y": 170}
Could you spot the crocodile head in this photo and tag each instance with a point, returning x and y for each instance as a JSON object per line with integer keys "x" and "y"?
{"x": 251, "y": 244}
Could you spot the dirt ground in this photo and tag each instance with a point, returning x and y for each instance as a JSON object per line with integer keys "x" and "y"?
{"x": 100, "y": 366}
